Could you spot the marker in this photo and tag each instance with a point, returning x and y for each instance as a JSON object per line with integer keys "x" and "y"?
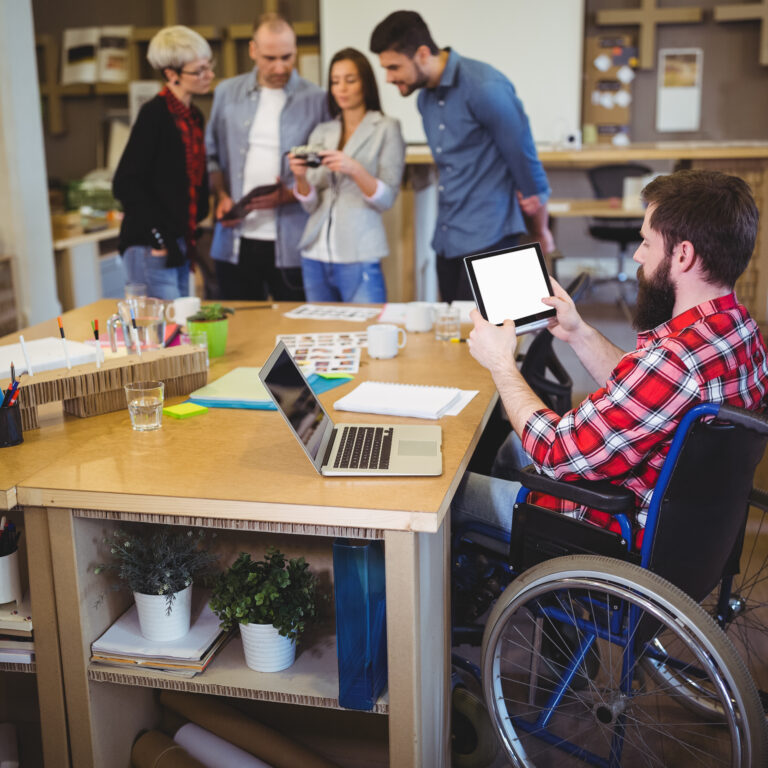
{"x": 26, "y": 356}
{"x": 135, "y": 333}
{"x": 9, "y": 393}
{"x": 459, "y": 341}
{"x": 95, "y": 329}
{"x": 64, "y": 343}
{"x": 15, "y": 396}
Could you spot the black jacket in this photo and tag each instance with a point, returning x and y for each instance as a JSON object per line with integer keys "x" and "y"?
{"x": 152, "y": 185}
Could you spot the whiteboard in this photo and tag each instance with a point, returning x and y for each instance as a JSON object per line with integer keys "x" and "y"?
{"x": 536, "y": 43}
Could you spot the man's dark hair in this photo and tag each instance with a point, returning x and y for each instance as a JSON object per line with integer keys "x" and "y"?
{"x": 402, "y": 32}
{"x": 715, "y": 212}
{"x": 367, "y": 78}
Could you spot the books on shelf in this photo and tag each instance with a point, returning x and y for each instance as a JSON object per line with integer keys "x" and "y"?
{"x": 16, "y": 617}
{"x": 123, "y": 645}
{"x": 422, "y": 402}
{"x": 16, "y": 656}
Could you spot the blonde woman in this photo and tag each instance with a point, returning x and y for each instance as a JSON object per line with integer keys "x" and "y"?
{"x": 161, "y": 180}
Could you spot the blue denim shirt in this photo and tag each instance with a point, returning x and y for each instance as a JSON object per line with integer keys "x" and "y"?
{"x": 226, "y": 142}
{"x": 482, "y": 144}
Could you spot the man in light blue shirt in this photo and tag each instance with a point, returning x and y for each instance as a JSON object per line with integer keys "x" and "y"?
{"x": 492, "y": 186}
{"x": 256, "y": 119}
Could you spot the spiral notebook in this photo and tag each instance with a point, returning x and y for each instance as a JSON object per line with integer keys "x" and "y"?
{"x": 347, "y": 449}
{"x": 399, "y": 400}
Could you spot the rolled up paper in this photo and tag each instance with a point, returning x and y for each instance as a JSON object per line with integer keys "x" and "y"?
{"x": 231, "y": 725}
{"x": 213, "y": 751}
{"x": 154, "y": 749}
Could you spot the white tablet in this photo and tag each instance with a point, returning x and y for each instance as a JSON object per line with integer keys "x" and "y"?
{"x": 509, "y": 284}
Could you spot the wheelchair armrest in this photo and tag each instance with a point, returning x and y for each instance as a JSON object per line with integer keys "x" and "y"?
{"x": 596, "y": 494}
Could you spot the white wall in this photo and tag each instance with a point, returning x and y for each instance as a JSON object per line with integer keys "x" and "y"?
{"x": 25, "y": 221}
{"x": 536, "y": 43}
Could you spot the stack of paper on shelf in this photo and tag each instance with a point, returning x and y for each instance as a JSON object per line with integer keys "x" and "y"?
{"x": 16, "y": 639}
{"x": 123, "y": 645}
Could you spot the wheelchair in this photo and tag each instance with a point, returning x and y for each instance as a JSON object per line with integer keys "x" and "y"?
{"x": 598, "y": 654}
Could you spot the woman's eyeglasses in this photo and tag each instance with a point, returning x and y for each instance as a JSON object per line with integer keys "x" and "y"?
{"x": 201, "y": 71}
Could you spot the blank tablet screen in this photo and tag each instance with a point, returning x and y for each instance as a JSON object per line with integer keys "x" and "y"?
{"x": 510, "y": 284}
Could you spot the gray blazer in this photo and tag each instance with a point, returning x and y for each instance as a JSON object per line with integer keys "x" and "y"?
{"x": 358, "y": 229}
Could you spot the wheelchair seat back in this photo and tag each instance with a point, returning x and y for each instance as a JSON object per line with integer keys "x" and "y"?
{"x": 702, "y": 510}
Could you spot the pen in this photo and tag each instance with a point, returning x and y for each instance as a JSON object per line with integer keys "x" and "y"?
{"x": 26, "y": 356}
{"x": 64, "y": 343}
{"x": 459, "y": 341}
{"x": 258, "y": 306}
{"x": 135, "y": 333}
{"x": 95, "y": 328}
{"x": 9, "y": 394}
{"x": 14, "y": 396}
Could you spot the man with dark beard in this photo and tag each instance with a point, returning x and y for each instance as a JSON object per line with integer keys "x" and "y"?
{"x": 696, "y": 344}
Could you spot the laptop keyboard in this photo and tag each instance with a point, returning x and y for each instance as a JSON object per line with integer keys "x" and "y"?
{"x": 364, "y": 448}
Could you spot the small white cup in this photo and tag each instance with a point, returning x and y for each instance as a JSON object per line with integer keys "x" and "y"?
{"x": 419, "y": 316}
{"x": 384, "y": 340}
{"x": 178, "y": 311}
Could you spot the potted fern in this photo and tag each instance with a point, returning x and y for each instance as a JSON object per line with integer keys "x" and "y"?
{"x": 271, "y": 600}
{"x": 212, "y": 320}
{"x": 159, "y": 565}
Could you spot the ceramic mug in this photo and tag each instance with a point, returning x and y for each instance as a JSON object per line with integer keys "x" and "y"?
{"x": 384, "y": 340}
{"x": 419, "y": 316}
{"x": 180, "y": 309}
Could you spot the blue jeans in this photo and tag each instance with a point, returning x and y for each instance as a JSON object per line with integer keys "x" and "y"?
{"x": 490, "y": 500}
{"x": 162, "y": 282}
{"x": 360, "y": 281}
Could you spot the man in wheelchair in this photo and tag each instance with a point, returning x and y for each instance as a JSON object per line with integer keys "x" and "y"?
{"x": 594, "y": 660}
{"x": 696, "y": 344}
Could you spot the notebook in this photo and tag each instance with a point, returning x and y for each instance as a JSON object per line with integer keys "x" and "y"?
{"x": 399, "y": 400}
{"x": 347, "y": 449}
{"x": 240, "y": 388}
{"x": 509, "y": 284}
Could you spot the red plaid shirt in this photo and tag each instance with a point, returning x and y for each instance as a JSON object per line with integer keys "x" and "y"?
{"x": 711, "y": 353}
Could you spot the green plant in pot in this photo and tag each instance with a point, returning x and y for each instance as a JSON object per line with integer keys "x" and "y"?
{"x": 272, "y": 600}
{"x": 212, "y": 320}
{"x": 159, "y": 565}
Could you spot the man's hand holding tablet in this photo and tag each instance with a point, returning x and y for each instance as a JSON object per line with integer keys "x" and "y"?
{"x": 509, "y": 284}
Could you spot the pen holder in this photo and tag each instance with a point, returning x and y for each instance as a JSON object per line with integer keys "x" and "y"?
{"x": 10, "y": 583}
{"x": 10, "y": 426}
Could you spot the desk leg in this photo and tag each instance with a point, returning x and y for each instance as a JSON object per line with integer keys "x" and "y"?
{"x": 50, "y": 687}
{"x": 418, "y": 617}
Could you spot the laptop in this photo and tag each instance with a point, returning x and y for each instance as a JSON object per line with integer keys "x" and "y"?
{"x": 510, "y": 283}
{"x": 347, "y": 449}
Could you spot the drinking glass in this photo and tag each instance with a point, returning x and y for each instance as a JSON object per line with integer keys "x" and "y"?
{"x": 448, "y": 324}
{"x": 145, "y": 404}
{"x": 197, "y": 339}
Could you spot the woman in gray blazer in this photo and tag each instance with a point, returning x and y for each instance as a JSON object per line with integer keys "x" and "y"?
{"x": 362, "y": 156}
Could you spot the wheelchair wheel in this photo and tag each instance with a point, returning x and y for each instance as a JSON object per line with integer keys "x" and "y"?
{"x": 473, "y": 742}
{"x": 621, "y": 717}
{"x": 746, "y": 618}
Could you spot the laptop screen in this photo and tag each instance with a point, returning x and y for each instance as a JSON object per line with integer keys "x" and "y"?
{"x": 296, "y": 401}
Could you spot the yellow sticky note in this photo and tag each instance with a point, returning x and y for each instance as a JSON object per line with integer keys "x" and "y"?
{"x": 184, "y": 410}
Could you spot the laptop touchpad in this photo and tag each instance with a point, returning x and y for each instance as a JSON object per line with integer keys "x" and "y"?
{"x": 416, "y": 448}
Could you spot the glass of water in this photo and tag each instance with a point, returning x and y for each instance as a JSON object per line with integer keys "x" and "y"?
{"x": 145, "y": 404}
{"x": 448, "y": 324}
{"x": 197, "y": 339}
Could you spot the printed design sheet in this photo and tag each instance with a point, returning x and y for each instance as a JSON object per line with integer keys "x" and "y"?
{"x": 347, "y": 312}
{"x": 326, "y": 352}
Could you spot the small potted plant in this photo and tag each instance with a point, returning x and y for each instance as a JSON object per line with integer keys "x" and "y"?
{"x": 212, "y": 320}
{"x": 159, "y": 566}
{"x": 272, "y": 600}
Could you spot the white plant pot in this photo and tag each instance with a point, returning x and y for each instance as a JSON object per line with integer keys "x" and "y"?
{"x": 266, "y": 650}
{"x": 155, "y": 623}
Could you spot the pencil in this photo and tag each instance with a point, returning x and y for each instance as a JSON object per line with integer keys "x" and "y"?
{"x": 64, "y": 343}
{"x": 26, "y": 356}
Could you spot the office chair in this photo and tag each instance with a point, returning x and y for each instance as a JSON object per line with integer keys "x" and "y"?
{"x": 608, "y": 181}
{"x": 599, "y": 653}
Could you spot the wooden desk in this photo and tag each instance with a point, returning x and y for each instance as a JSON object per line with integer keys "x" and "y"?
{"x": 561, "y": 208}
{"x": 243, "y": 473}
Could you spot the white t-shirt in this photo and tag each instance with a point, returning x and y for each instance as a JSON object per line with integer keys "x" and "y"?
{"x": 262, "y": 162}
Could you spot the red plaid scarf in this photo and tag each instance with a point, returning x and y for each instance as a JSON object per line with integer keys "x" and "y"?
{"x": 189, "y": 121}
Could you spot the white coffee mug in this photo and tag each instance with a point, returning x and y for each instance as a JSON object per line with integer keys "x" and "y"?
{"x": 384, "y": 340}
{"x": 419, "y": 316}
{"x": 180, "y": 309}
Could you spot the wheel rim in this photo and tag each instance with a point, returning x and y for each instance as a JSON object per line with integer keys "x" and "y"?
{"x": 645, "y": 724}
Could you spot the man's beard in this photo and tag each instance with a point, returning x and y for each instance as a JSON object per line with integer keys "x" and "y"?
{"x": 655, "y": 297}
{"x": 420, "y": 82}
